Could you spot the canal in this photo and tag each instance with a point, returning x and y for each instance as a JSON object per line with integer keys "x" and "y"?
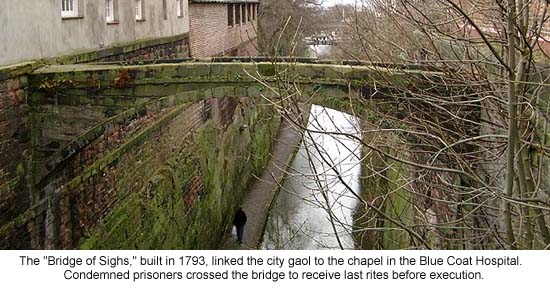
{"x": 314, "y": 209}
{"x": 320, "y": 51}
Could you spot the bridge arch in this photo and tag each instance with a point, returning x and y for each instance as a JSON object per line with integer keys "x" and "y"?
{"x": 320, "y": 82}
{"x": 156, "y": 98}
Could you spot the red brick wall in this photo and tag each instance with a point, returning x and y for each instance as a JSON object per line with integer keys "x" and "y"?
{"x": 176, "y": 49}
{"x": 14, "y": 140}
{"x": 211, "y": 36}
{"x": 488, "y": 16}
{"x": 77, "y": 210}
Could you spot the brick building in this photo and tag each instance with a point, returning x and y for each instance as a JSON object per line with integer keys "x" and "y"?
{"x": 490, "y": 18}
{"x": 97, "y": 30}
{"x": 223, "y": 27}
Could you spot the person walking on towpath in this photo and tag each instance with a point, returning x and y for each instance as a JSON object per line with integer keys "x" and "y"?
{"x": 239, "y": 221}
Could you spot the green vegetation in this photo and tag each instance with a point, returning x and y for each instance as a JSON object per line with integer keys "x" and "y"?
{"x": 189, "y": 201}
{"x": 383, "y": 185}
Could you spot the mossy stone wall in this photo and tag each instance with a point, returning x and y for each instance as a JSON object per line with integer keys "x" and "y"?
{"x": 14, "y": 146}
{"x": 188, "y": 202}
{"x": 384, "y": 187}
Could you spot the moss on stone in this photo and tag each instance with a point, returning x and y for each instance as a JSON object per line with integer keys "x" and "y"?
{"x": 158, "y": 216}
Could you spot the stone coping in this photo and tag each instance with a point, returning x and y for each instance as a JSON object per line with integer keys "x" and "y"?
{"x": 19, "y": 69}
{"x": 244, "y": 61}
{"x": 22, "y": 68}
{"x": 117, "y": 49}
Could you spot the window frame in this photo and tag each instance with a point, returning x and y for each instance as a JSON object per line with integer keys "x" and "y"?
{"x": 139, "y": 6}
{"x": 164, "y": 10}
{"x": 74, "y": 12}
{"x": 112, "y": 7}
{"x": 237, "y": 15}
{"x": 179, "y": 3}
{"x": 230, "y": 15}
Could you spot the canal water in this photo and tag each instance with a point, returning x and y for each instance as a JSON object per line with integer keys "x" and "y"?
{"x": 320, "y": 51}
{"x": 314, "y": 209}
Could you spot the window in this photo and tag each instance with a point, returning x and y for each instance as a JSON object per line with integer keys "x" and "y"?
{"x": 69, "y": 8}
{"x": 110, "y": 12}
{"x": 243, "y": 7}
{"x": 248, "y": 14}
{"x": 230, "y": 15}
{"x": 164, "y": 9}
{"x": 180, "y": 7}
{"x": 139, "y": 10}
{"x": 237, "y": 15}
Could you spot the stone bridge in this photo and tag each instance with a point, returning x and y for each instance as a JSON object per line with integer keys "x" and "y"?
{"x": 321, "y": 40}
{"x": 157, "y": 155}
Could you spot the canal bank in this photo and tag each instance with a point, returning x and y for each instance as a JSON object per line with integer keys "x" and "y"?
{"x": 257, "y": 203}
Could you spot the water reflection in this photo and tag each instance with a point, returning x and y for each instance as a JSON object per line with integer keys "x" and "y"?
{"x": 300, "y": 217}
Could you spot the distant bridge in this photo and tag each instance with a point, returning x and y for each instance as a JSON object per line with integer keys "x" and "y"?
{"x": 320, "y": 40}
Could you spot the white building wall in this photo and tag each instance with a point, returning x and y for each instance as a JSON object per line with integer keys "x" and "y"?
{"x": 33, "y": 29}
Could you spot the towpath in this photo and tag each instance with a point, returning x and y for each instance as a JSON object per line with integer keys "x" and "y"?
{"x": 257, "y": 201}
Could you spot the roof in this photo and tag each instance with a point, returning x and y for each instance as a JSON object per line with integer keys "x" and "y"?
{"x": 224, "y": 1}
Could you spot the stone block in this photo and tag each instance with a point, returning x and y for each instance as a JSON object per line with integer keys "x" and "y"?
{"x": 200, "y": 70}
{"x": 168, "y": 71}
{"x": 13, "y": 84}
{"x": 267, "y": 69}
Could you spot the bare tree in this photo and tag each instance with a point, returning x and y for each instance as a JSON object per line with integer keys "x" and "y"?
{"x": 284, "y": 23}
{"x": 462, "y": 163}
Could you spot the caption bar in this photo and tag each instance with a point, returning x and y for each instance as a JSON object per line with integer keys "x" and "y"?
{"x": 295, "y": 268}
